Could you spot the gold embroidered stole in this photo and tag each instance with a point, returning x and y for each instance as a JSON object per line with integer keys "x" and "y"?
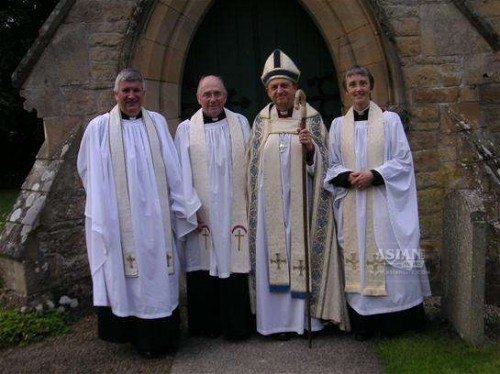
{"x": 240, "y": 258}
{"x": 374, "y": 263}
{"x": 118, "y": 150}
{"x": 285, "y": 273}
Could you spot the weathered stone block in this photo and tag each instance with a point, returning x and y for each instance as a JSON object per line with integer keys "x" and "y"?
{"x": 191, "y": 9}
{"x": 445, "y": 31}
{"x": 173, "y": 64}
{"x": 431, "y": 224}
{"x": 420, "y": 140}
{"x": 436, "y": 95}
{"x": 422, "y": 76}
{"x": 162, "y": 24}
{"x": 426, "y": 179}
{"x": 103, "y": 54}
{"x": 408, "y": 45}
{"x": 478, "y": 67}
{"x": 426, "y": 160}
{"x": 153, "y": 64}
{"x": 12, "y": 273}
{"x": 401, "y": 11}
{"x": 424, "y": 126}
{"x": 430, "y": 200}
{"x": 448, "y": 154}
{"x": 464, "y": 248}
{"x": 105, "y": 40}
{"x": 454, "y": 176}
{"x": 409, "y": 26}
{"x": 425, "y": 113}
{"x": 469, "y": 93}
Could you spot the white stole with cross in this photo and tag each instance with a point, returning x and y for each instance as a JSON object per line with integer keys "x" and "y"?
{"x": 374, "y": 263}
{"x": 240, "y": 258}
{"x": 287, "y": 272}
{"x": 118, "y": 151}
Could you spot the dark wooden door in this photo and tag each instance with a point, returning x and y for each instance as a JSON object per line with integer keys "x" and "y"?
{"x": 235, "y": 39}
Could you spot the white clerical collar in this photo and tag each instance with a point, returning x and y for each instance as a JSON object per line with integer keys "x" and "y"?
{"x": 362, "y": 111}
{"x": 220, "y": 117}
{"x": 285, "y": 113}
{"x": 132, "y": 118}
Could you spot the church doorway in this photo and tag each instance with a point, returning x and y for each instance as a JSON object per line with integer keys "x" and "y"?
{"x": 234, "y": 40}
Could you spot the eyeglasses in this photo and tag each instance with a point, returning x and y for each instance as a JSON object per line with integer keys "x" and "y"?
{"x": 209, "y": 94}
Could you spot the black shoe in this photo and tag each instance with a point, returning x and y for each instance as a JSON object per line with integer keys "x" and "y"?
{"x": 362, "y": 336}
{"x": 283, "y": 336}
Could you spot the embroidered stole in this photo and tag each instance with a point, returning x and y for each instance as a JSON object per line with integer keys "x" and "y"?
{"x": 240, "y": 258}
{"x": 118, "y": 151}
{"x": 287, "y": 272}
{"x": 373, "y": 262}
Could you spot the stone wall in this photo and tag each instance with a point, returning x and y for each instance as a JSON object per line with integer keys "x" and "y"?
{"x": 437, "y": 59}
{"x": 447, "y": 65}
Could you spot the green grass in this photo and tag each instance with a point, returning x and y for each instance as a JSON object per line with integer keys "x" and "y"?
{"x": 17, "y": 328}
{"x": 437, "y": 350}
{"x": 7, "y": 200}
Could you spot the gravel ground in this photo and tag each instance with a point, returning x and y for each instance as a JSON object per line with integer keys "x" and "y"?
{"x": 82, "y": 352}
{"x": 79, "y": 352}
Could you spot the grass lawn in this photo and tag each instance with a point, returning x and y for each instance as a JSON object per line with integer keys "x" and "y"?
{"x": 7, "y": 199}
{"x": 438, "y": 350}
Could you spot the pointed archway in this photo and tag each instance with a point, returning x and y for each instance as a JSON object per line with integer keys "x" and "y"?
{"x": 234, "y": 40}
{"x": 162, "y": 48}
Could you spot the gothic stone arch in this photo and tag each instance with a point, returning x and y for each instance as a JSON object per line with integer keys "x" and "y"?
{"x": 67, "y": 77}
{"x": 162, "y": 46}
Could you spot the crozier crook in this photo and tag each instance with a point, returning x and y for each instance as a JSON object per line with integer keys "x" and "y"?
{"x": 300, "y": 102}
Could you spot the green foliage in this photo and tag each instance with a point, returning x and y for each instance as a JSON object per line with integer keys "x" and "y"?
{"x": 17, "y": 328}
{"x": 7, "y": 199}
{"x": 437, "y": 351}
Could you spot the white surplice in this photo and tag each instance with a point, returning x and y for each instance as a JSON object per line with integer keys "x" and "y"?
{"x": 395, "y": 214}
{"x": 218, "y": 153}
{"x": 153, "y": 293}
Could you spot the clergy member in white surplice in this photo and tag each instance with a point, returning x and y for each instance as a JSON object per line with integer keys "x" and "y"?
{"x": 136, "y": 207}
{"x": 372, "y": 179}
{"x": 212, "y": 150}
{"x": 276, "y": 213}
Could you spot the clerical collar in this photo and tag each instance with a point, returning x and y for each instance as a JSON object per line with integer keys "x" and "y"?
{"x": 361, "y": 115}
{"x": 220, "y": 117}
{"x": 285, "y": 114}
{"x": 125, "y": 116}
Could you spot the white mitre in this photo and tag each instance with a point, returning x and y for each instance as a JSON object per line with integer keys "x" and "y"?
{"x": 279, "y": 65}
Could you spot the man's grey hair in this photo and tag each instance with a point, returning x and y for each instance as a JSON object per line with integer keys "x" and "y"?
{"x": 129, "y": 75}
